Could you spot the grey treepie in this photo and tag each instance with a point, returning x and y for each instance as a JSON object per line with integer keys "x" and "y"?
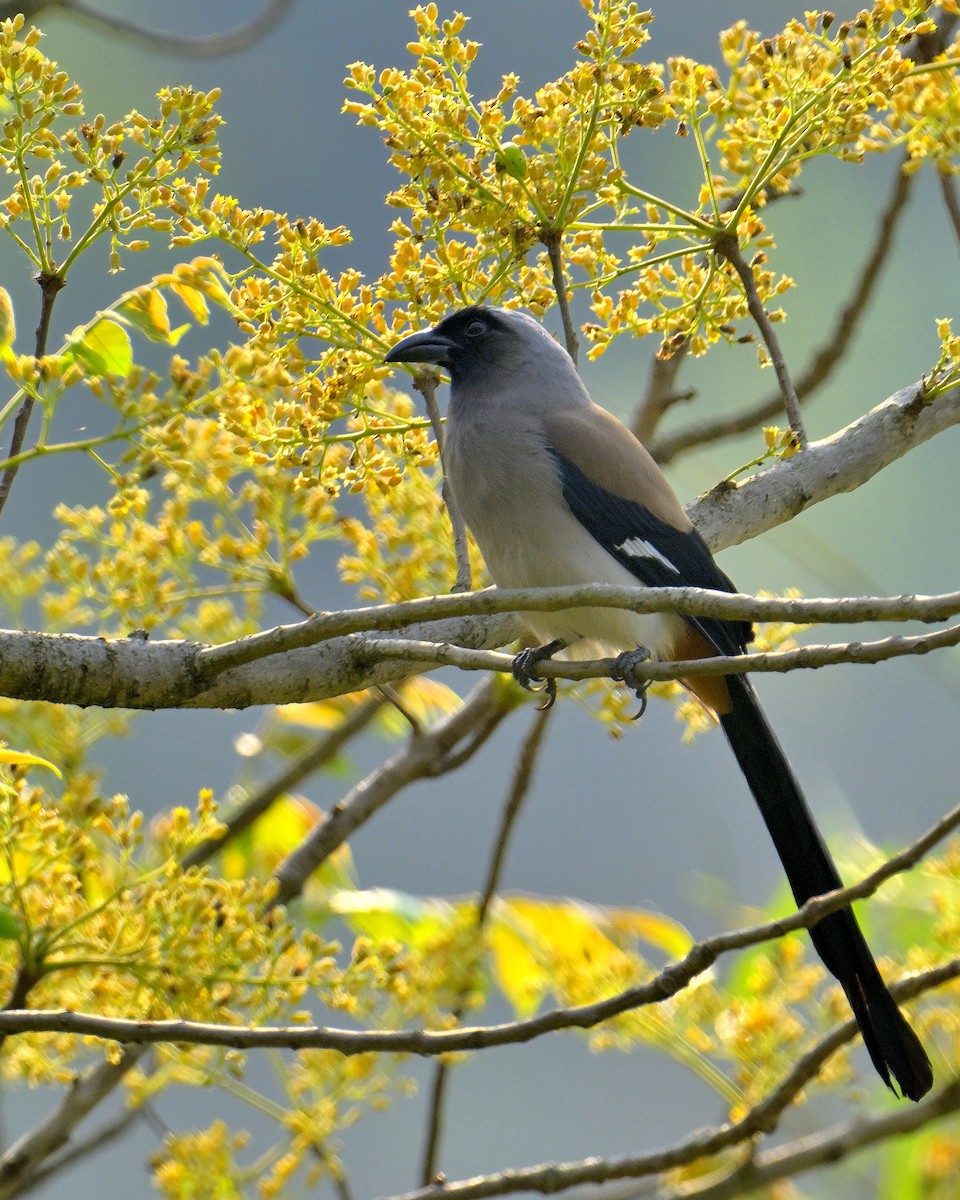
{"x": 557, "y": 491}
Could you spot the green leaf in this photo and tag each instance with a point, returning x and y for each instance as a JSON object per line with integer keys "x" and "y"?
{"x": 10, "y": 927}
{"x": 385, "y": 914}
{"x": 104, "y": 348}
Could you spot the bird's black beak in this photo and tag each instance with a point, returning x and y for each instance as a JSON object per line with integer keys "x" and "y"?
{"x": 426, "y": 347}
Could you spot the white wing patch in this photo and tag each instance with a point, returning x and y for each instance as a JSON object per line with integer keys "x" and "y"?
{"x": 638, "y": 547}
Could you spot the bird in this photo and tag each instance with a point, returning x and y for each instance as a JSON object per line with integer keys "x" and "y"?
{"x": 557, "y": 491}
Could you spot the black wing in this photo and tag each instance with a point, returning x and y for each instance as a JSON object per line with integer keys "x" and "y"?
{"x": 656, "y": 553}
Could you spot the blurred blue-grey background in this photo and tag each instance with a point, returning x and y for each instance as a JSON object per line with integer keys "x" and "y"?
{"x": 643, "y": 821}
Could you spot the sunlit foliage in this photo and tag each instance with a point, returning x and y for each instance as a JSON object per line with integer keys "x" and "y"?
{"x": 226, "y": 469}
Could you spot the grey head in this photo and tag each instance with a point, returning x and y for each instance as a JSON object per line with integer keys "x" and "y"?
{"x": 483, "y": 345}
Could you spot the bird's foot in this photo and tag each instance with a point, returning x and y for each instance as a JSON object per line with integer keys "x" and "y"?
{"x": 524, "y": 667}
{"x": 625, "y": 671}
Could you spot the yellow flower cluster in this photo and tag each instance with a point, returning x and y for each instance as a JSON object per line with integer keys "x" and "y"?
{"x": 403, "y": 547}
{"x": 236, "y": 465}
{"x": 488, "y": 180}
{"x": 103, "y": 927}
{"x": 489, "y": 183}
{"x": 129, "y": 163}
{"x": 946, "y": 371}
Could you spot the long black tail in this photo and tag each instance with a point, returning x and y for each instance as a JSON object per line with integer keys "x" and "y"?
{"x": 893, "y": 1046}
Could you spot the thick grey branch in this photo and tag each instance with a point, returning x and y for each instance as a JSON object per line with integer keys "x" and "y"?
{"x": 314, "y": 660}
{"x": 841, "y": 463}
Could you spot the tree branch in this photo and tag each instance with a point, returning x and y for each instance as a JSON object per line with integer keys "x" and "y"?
{"x": 820, "y": 367}
{"x": 951, "y": 200}
{"x": 552, "y": 241}
{"x": 548, "y": 1178}
{"x": 780, "y": 661}
{"x": 729, "y": 248}
{"x": 823, "y": 1149}
{"x": 425, "y": 756}
{"x": 50, "y": 285}
{"x": 28, "y": 1154}
{"x": 205, "y": 46}
{"x": 313, "y": 660}
{"x": 427, "y": 1043}
{"x": 311, "y": 760}
{"x": 519, "y": 787}
{"x": 101, "y": 1137}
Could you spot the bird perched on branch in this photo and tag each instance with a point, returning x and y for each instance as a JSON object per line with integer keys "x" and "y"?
{"x": 557, "y": 491}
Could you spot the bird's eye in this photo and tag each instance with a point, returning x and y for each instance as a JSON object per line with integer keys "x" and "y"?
{"x": 476, "y": 329}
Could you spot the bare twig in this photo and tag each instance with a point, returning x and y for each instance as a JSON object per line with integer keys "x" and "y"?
{"x": 311, "y": 760}
{"x": 26, "y": 1156}
{"x": 427, "y": 1043}
{"x": 50, "y": 285}
{"x": 824, "y": 359}
{"x": 430, "y": 1043}
{"x": 546, "y": 1178}
{"x": 691, "y": 601}
{"x": 549, "y": 1178}
{"x": 425, "y": 756}
{"x": 951, "y": 200}
{"x": 822, "y": 1149}
{"x": 426, "y": 384}
{"x": 552, "y": 240}
{"x": 522, "y": 777}
{"x": 205, "y": 46}
{"x": 519, "y": 788}
{"x": 804, "y": 657}
{"x": 104, "y": 1136}
{"x": 661, "y": 393}
{"x": 729, "y": 248}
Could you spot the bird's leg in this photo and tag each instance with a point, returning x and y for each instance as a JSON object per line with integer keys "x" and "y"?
{"x": 524, "y": 667}
{"x": 625, "y": 671}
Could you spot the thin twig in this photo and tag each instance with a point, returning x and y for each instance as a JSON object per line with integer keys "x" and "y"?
{"x": 729, "y": 248}
{"x": 667, "y": 982}
{"x": 661, "y": 393}
{"x": 700, "y": 602}
{"x": 546, "y": 1178}
{"x": 951, "y": 200}
{"x": 803, "y": 658}
{"x": 552, "y": 240}
{"x": 549, "y": 1178}
{"x": 312, "y": 759}
{"x": 825, "y": 1148}
{"x": 208, "y": 45}
{"x": 104, "y": 1136}
{"x": 519, "y": 788}
{"x": 50, "y": 284}
{"x": 824, "y": 359}
{"x": 425, "y": 756}
{"x": 426, "y": 384}
{"x": 19, "y": 1162}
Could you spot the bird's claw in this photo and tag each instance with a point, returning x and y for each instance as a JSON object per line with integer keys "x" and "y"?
{"x": 524, "y": 667}
{"x": 625, "y": 672}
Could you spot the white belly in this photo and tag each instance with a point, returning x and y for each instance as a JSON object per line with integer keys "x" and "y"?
{"x": 530, "y": 538}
